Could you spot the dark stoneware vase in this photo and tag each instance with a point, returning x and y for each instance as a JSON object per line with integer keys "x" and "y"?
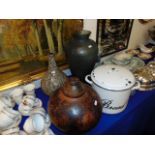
{"x": 82, "y": 54}
{"x": 75, "y": 107}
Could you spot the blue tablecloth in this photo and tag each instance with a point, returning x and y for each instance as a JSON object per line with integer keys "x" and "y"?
{"x": 137, "y": 118}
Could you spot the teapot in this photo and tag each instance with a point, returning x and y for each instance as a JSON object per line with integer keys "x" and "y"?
{"x": 75, "y": 107}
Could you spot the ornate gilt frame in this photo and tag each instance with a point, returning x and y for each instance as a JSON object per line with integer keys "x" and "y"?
{"x": 27, "y": 78}
{"x": 59, "y": 55}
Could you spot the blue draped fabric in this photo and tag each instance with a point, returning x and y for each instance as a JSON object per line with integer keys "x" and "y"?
{"x": 137, "y": 118}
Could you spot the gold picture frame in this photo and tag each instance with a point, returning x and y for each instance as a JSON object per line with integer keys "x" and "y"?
{"x": 24, "y": 47}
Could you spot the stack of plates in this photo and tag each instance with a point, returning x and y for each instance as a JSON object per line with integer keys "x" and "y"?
{"x": 146, "y": 76}
{"x": 132, "y": 63}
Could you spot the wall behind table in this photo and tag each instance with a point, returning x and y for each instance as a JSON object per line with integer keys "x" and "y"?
{"x": 139, "y": 35}
{"x": 139, "y": 32}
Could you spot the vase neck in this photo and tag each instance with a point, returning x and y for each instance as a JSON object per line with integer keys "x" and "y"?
{"x": 84, "y": 34}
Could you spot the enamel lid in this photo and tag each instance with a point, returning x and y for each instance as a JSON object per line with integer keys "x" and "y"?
{"x": 113, "y": 77}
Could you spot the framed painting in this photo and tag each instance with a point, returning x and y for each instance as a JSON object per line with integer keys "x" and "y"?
{"x": 113, "y": 35}
{"x": 24, "y": 47}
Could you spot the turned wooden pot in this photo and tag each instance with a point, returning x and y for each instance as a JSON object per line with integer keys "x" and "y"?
{"x": 75, "y": 108}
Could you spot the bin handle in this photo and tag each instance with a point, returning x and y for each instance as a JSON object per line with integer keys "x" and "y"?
{"x": 87, "y": 79}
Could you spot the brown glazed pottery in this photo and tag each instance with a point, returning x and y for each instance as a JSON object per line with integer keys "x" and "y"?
{"x": 75, "y": 108}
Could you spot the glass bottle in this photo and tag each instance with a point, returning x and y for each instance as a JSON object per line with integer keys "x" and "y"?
{"x": 54, "y": 78}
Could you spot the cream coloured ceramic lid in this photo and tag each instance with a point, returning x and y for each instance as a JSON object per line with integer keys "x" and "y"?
{"x": 113, "y": 77}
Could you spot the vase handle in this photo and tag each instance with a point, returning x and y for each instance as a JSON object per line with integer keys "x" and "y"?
{"x": 87, "y": 79}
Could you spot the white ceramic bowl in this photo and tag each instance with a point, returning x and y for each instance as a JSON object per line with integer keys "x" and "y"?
{"x": 35, "y": 123}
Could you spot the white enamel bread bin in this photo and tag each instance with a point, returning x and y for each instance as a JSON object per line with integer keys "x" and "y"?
{"x": 114, "y": 84}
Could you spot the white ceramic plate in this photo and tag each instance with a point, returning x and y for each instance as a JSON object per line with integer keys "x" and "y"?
{"x": 134, "y": 64}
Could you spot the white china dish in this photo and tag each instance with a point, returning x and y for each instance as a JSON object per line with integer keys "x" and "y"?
{"x": 9, "y": 118}
{"x": 29, "y": 103}
{"x": 121, "y": 58}
{"x": 133, "y": 52}
{"x": 11, "y": 131}
{"x": 34, "y": 124}
{"x": 145, "y": 49}
{"x": 17, "y": 95}
{"x": 144, "y": 56}
{"x": 134, "y": 64}
{"x": 29, "y": 89}
{"x": 6, "y": 101}
{"x": 24, "y": 110}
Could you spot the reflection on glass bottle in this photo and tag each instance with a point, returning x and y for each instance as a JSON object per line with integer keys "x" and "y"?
{"x": 53, "y": 79}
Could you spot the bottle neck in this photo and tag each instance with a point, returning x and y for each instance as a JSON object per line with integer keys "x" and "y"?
{"x": 51, "y": 62}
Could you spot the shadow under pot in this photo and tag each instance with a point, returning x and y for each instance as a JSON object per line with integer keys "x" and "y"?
{"x": 114, "y": 84}
{"x": 82, "y": 54}
{"x": 75, "y": 108}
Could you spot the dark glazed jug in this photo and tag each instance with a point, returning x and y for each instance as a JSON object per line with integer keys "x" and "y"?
{"x": 82, "y": 54}
{"x": 75, "y": 107}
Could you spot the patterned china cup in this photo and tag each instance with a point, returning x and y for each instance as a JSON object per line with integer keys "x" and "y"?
{"x": 29, "y": 103}
{"x": 17, "y": 95}
{"x": 24, "y": 109}
{"x": 5, "y": 101}
{"x": 29, "y": 89}
{"x": 28, "y": 100}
